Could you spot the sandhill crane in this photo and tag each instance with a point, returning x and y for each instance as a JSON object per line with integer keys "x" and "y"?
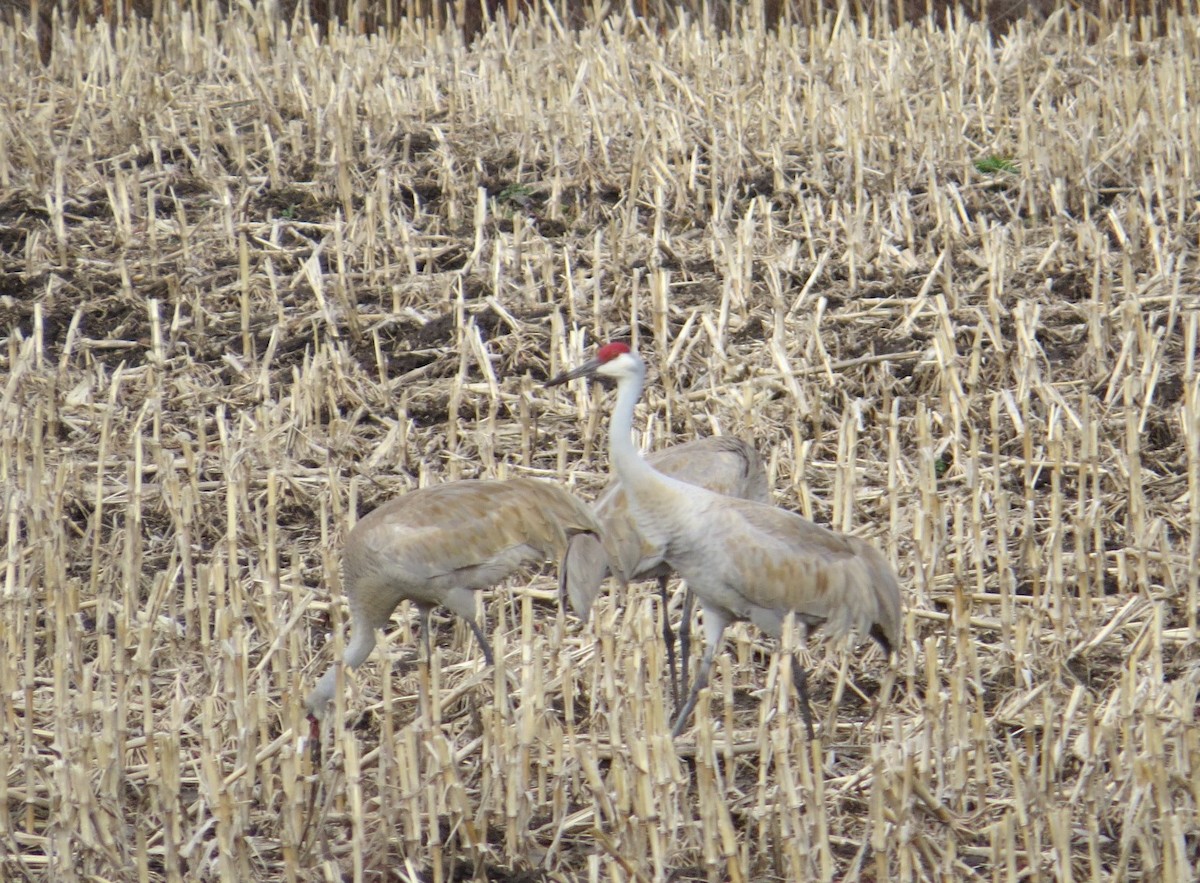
{"x": 439, "y": 544}
{"x": 723, "y": 464}
{"x": 745, "y": 560}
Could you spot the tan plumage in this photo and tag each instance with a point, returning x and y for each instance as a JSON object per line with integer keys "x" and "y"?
{"x": 723, "y": 464}
{"x": 746, "y": 560}
{"x": 438, "y": 545}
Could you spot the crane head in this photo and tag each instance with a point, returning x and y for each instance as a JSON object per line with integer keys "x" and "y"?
{"x": 613, "y": 360}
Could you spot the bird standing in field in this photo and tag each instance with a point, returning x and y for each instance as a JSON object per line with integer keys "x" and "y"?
{"x": 723, "y": 464}
{"x": 438, "y": 545}
{"x": 745, "y": 560}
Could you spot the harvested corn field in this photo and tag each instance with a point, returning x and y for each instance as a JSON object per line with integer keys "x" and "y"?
{"x": 256, "y": 283}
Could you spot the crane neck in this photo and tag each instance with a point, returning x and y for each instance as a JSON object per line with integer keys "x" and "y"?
{"x": 623, "y": 456}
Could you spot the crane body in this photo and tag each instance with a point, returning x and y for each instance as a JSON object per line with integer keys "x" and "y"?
{"x": 723, "y": 464}
{"x": 439, "y": 545}
{"x": 746, "y": 560}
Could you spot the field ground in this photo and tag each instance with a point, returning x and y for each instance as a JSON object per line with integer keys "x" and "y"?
{"x": 254, "y": 285}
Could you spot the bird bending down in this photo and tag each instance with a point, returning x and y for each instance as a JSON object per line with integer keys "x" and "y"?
{"x": 438, "y": 545}
{"x": 724, "y": 465}
{"x": 745, "y": 560}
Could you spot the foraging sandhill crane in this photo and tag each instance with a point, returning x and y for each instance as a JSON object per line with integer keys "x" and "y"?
{"x": 438, "y": 545}
{"x": 724, "y": 465}
{"x": 745, "y": 560}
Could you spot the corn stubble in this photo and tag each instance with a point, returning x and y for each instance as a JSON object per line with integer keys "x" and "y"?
{"x": 255, "y": 285}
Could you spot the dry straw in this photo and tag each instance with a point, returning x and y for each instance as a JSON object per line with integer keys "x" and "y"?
{"x": 254, "y": 284}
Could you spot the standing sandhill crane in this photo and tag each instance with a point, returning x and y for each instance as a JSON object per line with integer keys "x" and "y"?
{"x": 439, "y": 544}
{"x": 745, "y": 560}
{"x": 724, "y": 465}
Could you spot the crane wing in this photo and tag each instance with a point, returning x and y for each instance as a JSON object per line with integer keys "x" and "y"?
{"x": 721, "y": 463}
{"x": 454, "y": 527}
{"x": 771, "y": 561}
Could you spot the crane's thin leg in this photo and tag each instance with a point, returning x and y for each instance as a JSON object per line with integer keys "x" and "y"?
{"x": 715, "y": 621}
{"x": 425, "y": 610}
{"x": 685, "y": 636}
{"x": 464, "y": 603}
{"x": 483, "y": 641}
{"x": 700, "y": 683}
{"x": 669, "y": 639}
{"x": 800, "y": 679}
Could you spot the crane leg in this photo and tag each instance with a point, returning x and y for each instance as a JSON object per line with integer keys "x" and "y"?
{"x": 483, "y": 641}
{"x": 462, "y": 601}
{"x": 715, "y": 621}
{"x": 800, "y": 679}
{"x": 669, "y": 639}
{"x": 685, "y": 638}
{"x": 424, "y": 610}
{"x": 700, "y": 683}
